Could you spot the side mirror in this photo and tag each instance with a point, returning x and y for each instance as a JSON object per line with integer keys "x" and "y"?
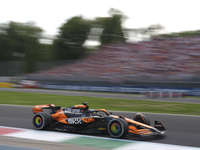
{"x": 111, "y": 113}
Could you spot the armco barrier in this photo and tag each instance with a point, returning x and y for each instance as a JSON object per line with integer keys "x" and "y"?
{"x": 115, "y": 89}
{"x": 168, "y": 92}
{"x": 163, "y": 94}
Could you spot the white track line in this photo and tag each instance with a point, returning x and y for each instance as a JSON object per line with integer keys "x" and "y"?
{"x": 59, "y": 137}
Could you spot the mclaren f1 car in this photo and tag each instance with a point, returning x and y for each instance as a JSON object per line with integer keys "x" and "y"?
{"x": 79, "y": 118}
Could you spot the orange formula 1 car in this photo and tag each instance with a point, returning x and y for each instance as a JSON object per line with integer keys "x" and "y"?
{"x": 79, "y": 118}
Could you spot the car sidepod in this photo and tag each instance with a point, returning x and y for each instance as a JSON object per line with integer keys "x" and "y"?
{"x": 83, "y": 124}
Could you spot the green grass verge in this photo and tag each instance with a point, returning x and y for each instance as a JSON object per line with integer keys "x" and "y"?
{"x": 31, "y": 99}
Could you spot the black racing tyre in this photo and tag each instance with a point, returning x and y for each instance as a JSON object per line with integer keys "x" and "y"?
{"x": 117, "y": 128}
{"x": 142, "y": 118}
{"x": 42, "y": 121}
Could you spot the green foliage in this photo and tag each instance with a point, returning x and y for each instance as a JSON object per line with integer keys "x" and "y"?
{"x": 5, "y": 48}
{"x": 45, "y": 53}
{"x": 19, "y": 41}
{"x": 72, "y": 35}
{"x": 112, "y": 27}
{"x": 182, "y": 34}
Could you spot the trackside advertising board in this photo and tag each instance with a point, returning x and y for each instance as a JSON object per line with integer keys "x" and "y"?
{"x": 121, "y": 89}
{"x": 5, "y": 85}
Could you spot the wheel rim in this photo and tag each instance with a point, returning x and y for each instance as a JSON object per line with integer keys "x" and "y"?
{"x": 115, "y": 128}
{"x": 38, "y": 121}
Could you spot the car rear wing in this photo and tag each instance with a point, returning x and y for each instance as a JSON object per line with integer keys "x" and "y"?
{"x": 39, "y": 108}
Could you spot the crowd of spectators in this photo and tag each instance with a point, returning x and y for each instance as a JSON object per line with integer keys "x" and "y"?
{"x": 175, "y": 58}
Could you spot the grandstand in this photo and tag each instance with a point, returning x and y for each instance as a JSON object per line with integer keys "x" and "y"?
{"x": 171, "y": 59}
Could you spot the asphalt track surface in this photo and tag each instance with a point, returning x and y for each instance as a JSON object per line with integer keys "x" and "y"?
{"x": 180, "y": 129}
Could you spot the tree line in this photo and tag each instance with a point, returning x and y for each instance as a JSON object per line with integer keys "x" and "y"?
{"x": 21, "y": 41}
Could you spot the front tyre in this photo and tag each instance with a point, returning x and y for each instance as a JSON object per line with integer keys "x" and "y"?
{"x": 117, "y": 128}
{"x": 42, "y": 121}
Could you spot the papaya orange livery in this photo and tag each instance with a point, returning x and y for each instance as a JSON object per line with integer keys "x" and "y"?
{"x": 81, "y": 119}
{"x": 88, "y": 120}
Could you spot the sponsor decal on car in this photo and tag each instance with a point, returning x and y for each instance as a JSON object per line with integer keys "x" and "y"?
{"x": 87, "y": 120}
{"x": 74, "y": 121}
{"x": 102, "y": 128}
{"x": 158, "y": 125}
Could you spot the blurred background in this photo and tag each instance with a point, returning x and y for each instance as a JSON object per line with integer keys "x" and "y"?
{"x": 115, "y": 46}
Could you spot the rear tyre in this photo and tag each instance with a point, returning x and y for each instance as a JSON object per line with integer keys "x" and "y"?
{"x": 42, "y": 121}
{"x": 117, "y": 128}
{"x": 142, "y": 118}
